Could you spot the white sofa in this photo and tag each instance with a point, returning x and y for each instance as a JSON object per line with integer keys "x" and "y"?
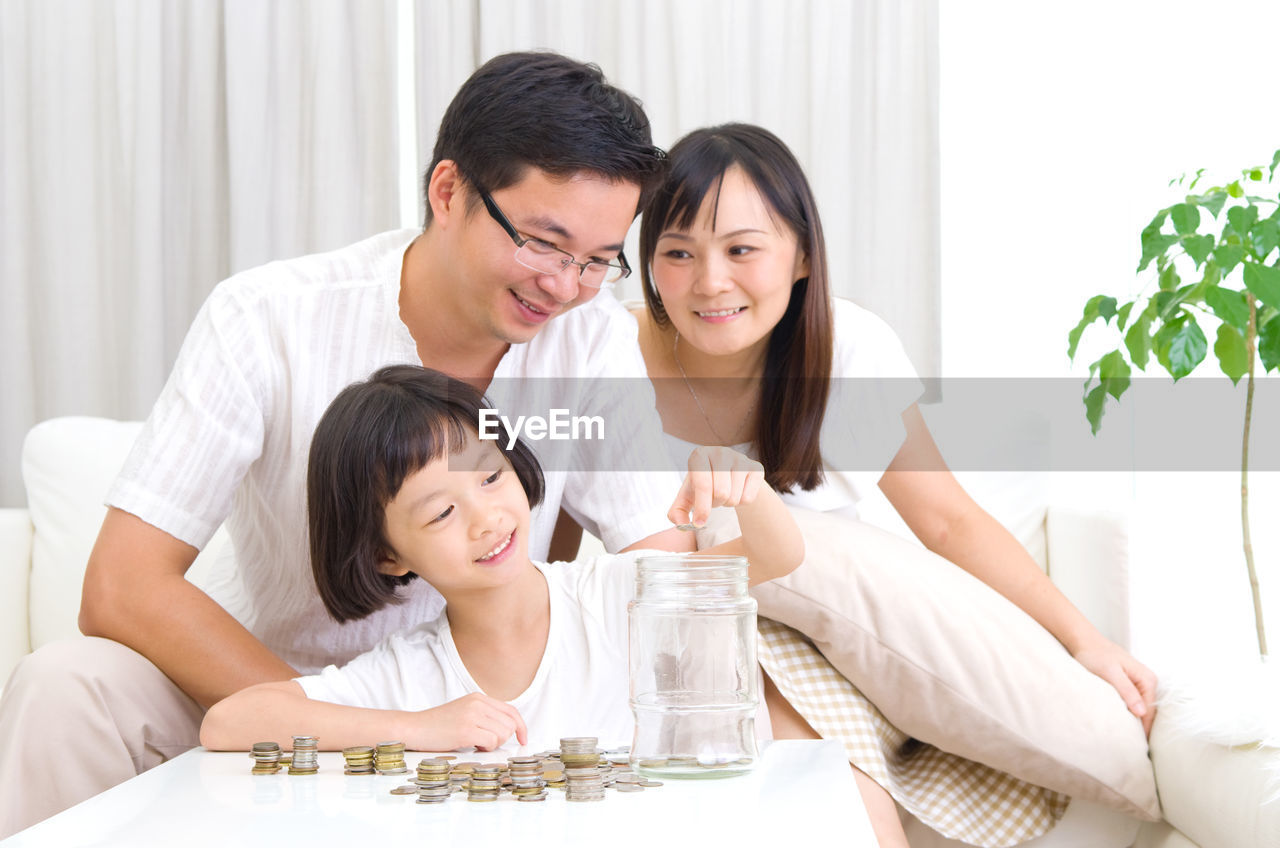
{"x": 1212, "y": 795}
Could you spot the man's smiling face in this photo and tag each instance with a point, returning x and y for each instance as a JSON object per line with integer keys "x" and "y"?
{"x": 584, "y": 215}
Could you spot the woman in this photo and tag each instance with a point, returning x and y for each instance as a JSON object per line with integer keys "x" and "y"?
{"x": 740, "y": 326}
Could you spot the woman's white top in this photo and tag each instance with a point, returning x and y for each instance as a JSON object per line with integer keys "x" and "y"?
{"x": 872, "y": 384}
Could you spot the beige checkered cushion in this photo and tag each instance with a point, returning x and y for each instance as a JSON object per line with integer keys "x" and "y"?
{"x": 949, "y": 661}
{"x": 958, "y": 798}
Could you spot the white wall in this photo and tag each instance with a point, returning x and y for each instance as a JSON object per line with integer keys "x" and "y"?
{"x": 1061, "y": 125}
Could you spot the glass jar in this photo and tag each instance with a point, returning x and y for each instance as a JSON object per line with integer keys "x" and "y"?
{"x": 694, "y": 683}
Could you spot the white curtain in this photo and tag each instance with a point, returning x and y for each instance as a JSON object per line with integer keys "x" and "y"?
{"x": 151, "y": 148}
{"x": 850, "y": 85}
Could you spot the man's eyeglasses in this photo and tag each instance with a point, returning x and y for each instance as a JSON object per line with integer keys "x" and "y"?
{"x": 545, "y": 258}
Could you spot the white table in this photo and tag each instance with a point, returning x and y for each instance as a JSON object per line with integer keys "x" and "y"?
{"x": 799, "y": 790}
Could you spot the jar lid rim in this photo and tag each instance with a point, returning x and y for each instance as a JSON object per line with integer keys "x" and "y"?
{"x": 692, "y": 560}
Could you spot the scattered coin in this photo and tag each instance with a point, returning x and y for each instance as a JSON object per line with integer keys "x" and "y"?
{"x": 579, "y": 767}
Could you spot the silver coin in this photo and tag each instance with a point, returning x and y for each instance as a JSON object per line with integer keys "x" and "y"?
{"x": 541, "y": 796}
{"x": 406, "y": 789}
{"x": 629, "y": 787}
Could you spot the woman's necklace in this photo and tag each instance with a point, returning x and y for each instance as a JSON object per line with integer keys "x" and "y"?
{"x": 675, "y": 354}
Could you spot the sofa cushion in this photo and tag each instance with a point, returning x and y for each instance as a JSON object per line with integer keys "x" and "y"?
{"x": 67, "y": 466}
{"x": 1221, "y": 796}
{"x": 951, "y": 662}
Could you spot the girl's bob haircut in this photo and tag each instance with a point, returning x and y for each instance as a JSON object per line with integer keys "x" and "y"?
{"x": 374, "y": 434}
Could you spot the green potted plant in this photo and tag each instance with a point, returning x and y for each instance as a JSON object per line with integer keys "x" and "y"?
{"x": 1224, "y": 267}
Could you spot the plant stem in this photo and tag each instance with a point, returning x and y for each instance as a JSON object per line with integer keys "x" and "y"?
{"x": 1251, "y": 335}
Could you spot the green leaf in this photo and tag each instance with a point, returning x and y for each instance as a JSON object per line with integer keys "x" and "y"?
{"x": 1093, "y": 403}
{"x": 1187, "y": 349}
{"x": 1107, "y": 309}
{"x": 1168, "y": 279}
{"x": 1166, "y": 302}
{"x": 1090, "y": 315}
{"x": 1232, "y": 354}
{"x": 1266, "y": 237}
{"x": 1199, "y": 173}
{"x": 1228, "y": 256}
{"x": 1115, "y": 373}
{"x": 1242, "y": 218}
{"x": 1138, "y": 340}
{"x": 1186, "y": 218}
{"x": 1229, "y": 305}
{"x": 1158, "y": 221}
{"x": 1162, "y": 339}
{"x": 1234, "y": 190}
{"x": 1198, "y": 247}
{"x": 1213, "y": 201}
{"x": 1154, "y": 243}
{"x": 1269, "y": 345}
{"x": 1212, "y": 274}
{"x": 1275, "y": 161}
{"x": 1255, "y": 174}
{"x": 1153, "y": 246}
{"x": 1122, "y": 315}
{"x": 1264, "y": 282}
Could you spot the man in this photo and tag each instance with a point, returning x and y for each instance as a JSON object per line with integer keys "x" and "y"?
{"x": 538, "y": 172}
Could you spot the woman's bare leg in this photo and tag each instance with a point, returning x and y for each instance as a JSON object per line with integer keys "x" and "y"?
{"x": 883, "y": 812}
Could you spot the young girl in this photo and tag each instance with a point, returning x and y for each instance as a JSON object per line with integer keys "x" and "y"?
{"x": 399, "y": 486}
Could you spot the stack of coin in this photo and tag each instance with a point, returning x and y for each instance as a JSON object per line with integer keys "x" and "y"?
{"x": 433, "y": 782}
{"x": 553, "y": 774}
{"x": 579, "y": 751}
{"x": 359, "y": 760}
{"x": 266, "y": 757}
{"x": 584, "y": 784}
{"x": 527, "y": 783}
{"x": 608, "y": 773}
{"x": 460, "y": 775}
{"x": 389, "y": 758}
{"x": 304, "y": 755}
{"x": 485, "y": 783}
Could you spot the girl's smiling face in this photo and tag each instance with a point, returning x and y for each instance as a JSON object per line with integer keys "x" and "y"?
{"x": 726, "y": 281}
{"x": 461, "y": 522}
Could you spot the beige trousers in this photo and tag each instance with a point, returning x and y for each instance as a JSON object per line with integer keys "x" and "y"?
{"x": 79, "y": 716}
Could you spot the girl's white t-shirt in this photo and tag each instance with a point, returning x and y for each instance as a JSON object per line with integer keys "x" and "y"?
{"x": 581, "y": 687}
